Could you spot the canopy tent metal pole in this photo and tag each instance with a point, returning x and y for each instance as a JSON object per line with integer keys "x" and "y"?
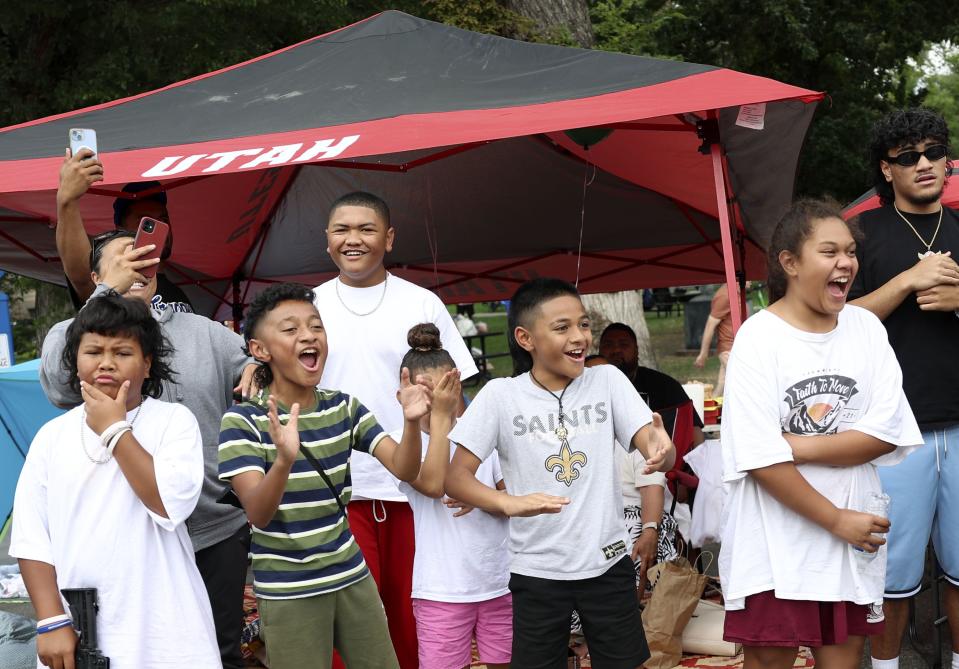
{"x": 725, "y": 227}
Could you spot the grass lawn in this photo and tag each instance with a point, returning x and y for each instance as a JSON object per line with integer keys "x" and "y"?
{"x": 666, "y": 333}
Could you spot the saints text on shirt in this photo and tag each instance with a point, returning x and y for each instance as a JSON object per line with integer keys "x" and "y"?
{"x": 582, "y": 420}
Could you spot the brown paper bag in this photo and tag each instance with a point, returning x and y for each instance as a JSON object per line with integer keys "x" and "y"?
{"x": 677, "y": 587}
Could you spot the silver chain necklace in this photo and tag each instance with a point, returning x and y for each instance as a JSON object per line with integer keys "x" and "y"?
{"x": 83, "y": 442}
{"x": 336, "y": 287}
{"x": 561, "y": 432}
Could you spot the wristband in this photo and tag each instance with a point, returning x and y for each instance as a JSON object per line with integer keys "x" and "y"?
{"x": 111, "y": 431}
{"x": 52, "y": 619}
{"x": 54, "y": 626}
{"x": 115, "y": 439}
{"x": 650, "y": 526}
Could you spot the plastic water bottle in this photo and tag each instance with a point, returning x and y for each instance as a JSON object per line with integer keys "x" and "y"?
{"x": 877, "y": 504}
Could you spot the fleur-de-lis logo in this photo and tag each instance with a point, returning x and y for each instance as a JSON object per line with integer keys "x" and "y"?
{"x": 566, "y": 461}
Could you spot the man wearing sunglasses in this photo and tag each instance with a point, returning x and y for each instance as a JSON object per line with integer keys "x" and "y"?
{"x": 909, "y": 278}
{"x": 77, "y": 174}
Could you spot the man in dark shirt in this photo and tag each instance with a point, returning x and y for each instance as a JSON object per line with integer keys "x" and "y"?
{"x": 77, "y": 174}
{"x": 908, "y": 277}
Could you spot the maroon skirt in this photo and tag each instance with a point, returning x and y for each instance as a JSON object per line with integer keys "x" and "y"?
{"x": 769, "y": 621}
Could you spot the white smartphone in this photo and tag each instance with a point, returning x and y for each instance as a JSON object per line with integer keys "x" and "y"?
{"x": 83, "y": 138}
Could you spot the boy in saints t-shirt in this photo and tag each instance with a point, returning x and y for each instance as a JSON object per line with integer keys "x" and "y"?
{"x": 555, "y": 426}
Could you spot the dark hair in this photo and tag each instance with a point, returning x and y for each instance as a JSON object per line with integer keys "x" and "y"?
{"x": 361, "y": 198}
{"x": 426, "y": 350}
{"x": 524, "y": 302}
{"x": 263, "y": 304}
{"x": 620, "y": 327}
{"x": 113, "y": 316}
{"x": 791, "y": 231}
{"x": 903, "y": 126}
{"x": 121, "y": 205}
{"x": 100, "y": 242}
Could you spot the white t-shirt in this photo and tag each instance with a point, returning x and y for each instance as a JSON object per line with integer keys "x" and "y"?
{"x": 365, "y": 356}
{"x": 87, "y": 522}
{"x": 781, "y": 379}
{"x": 631, "y": 465}
{"x": 517, "y": 419}
{"x": 463, "y": 559}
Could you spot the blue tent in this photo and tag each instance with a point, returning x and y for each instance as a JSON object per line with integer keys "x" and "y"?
{"x": 23, "y": 410}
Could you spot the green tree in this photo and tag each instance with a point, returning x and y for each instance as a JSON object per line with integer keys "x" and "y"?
{"x": 853, "y": 51}
{"x": 942, "y": 87}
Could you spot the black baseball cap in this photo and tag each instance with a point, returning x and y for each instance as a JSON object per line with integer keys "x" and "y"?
{"x": 122, "y": 204}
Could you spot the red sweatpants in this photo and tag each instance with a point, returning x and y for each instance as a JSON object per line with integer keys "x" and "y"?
{"x": 387, "y": 545}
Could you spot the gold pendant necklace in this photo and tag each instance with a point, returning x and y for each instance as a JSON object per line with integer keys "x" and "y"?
{"x": 935, "y": 234}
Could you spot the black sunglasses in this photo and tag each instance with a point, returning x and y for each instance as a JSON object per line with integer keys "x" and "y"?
{"x": 910, "y": 158}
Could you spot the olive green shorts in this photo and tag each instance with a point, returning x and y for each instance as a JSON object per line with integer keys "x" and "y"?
{"x": 302, "y": 633}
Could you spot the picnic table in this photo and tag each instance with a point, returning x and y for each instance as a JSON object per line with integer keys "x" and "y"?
{"x": 483, "y": 358}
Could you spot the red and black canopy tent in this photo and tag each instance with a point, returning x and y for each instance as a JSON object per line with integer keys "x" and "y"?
{"x": 463, "y": 134}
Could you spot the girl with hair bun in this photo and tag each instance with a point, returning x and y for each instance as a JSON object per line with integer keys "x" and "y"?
{"x": 813, "y": 404}
{"x": 461, "y": 563}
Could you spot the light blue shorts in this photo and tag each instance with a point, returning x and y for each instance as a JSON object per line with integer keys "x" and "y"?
{"x": 925, "y": 500}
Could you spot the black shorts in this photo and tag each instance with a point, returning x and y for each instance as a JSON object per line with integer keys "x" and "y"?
{"x": 542, "y": 608}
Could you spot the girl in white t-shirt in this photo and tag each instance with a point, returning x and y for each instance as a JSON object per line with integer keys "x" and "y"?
{"x": 461, "y": 565}
{"x": 813, "y": 403}
{"x": 103, "y": 499}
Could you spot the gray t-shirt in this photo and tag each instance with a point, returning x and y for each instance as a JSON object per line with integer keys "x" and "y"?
{"x": 517, "y": 418}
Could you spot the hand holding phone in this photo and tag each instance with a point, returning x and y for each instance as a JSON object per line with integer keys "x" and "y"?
{"x": 151, "y": 231}
{"x": 83, "y": 138}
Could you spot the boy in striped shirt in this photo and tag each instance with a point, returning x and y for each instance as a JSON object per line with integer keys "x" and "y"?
{"x": 310, "y": 579}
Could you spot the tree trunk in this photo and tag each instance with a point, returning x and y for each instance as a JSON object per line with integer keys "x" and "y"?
{"x": 623, "y": 307}
{"x": 552, "y": 15}
{"x": 52, "y": 306}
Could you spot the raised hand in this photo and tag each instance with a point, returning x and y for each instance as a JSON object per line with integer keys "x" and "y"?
{"x": 77, "y": 174}
{"x": 415, "y": 398}
{"x": 658, "y": 446}
{"x": 533, "y": 505}
{"x": 103, "y": 410}
{"x": 122, "y": 270}
{"x": 447, "y": 393}
{"x": 462, "y": 507}
{"x": 859, "y": 529}
{"x": 286, "y": 438}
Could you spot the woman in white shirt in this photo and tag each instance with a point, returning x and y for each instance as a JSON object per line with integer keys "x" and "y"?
{"x": 813, "y": 404}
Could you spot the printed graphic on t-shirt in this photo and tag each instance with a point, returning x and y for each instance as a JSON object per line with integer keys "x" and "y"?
{"x": 565, "y": 463}
{"x": 581, "y": 420}
{"x": 614, "y": 549}
{"x": 817, "y": 404}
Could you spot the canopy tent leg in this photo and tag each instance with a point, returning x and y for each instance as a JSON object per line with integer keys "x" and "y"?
{"x": 725, "y": 228}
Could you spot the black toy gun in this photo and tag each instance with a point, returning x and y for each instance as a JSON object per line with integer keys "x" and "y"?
{"x": 83, "y": 610}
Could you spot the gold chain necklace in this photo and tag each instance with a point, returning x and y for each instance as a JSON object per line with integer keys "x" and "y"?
{"x": 83, "y": 443}
{"x": 336, "y": 287}
{"x": 916, "y": 232}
